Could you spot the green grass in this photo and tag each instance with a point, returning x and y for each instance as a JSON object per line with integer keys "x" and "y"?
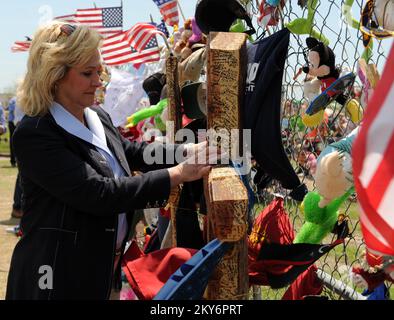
{"x": 5, "y": 143}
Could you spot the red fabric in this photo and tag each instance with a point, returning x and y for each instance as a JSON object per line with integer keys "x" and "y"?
{"x": 271, "y": 226}
{"x": 373, "y": 178}
{"x": 306, "y": 284}
{"x": 131, "y": 133}
{"x": 325, "y": 83}
{"x": 373, "y": 279}
{"x": 165, "y": 213}
{"x": 147, "y": 274}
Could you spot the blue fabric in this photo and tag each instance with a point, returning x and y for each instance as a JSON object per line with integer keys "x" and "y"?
{"x": 2, "y": 118}
{"x": 262, "y": 107}
{"x": 11, "y": 109}
{"x": 95, "y": 136}
{"x": 343, "y": 145}
{"x": 379, "y": 293}
{"x": 273, "y": 3}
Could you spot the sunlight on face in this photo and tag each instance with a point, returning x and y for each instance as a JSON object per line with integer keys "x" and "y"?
{"x": 77, "y": 89}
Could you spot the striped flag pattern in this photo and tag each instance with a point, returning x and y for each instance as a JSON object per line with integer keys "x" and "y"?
{"x": 140, "y": 34}
{"x": 21, "y": 46}
{"x": 117, "y": 51}
{"x": 107, "y": 21}
{"x": 169, "y": 11}
{"x": 373, "y": 166}
{"x": 70, "y": 18}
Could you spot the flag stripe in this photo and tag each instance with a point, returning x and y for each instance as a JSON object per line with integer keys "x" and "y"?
{"x": 373, "y": 166}
{"x": 379, "y": 183}
{"x": 140, "y": 34}
{"x": 116, "y": 50}
{"x": 385, "y": 208}
{"x": 169, "y": 11}
{"x": 376, "y": 148}
{"x": 372, "y": 236}
{"x": 107, "y": 21}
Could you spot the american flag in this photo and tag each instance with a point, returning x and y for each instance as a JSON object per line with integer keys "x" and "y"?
{"x": 69, "y": 18}
{"x": 373, "y": 166}
{"x": 163, "y": 28}
{"x": 140, "y": 34}
{"x": 21, "y": 46}
{"x": 107, "y": 21}
{"x": 117, "y": 51}
{"x": 169, "y": 11}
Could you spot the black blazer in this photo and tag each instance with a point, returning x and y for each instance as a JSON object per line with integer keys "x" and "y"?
{"x": 71, "y": 204}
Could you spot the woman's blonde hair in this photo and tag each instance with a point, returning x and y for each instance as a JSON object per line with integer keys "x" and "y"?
{"x": 53, "y": 51}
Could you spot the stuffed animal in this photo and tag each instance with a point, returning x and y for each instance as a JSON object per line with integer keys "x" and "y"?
{"x": 145, "y": 113}
{"x": 322, "y": 73}
{"x": 369, "y": 77}
{"x": 334, "y": 184}
{"x": 373, "y": 271}
{"x": 190, "y": 36}
{"x": 196, "y": 37}
{"x": 334, "y": 174}
{"x": 377, "y": 20}
{"x": 384, "y": 12}
{"x": 319, "y": 221}
{"x": 352, "y": 22}
{"x": 305, "y": 25}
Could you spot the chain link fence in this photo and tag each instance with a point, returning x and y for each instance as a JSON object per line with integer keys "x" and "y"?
{"x": 300, "y": 145}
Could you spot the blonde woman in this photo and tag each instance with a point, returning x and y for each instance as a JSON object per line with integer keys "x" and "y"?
{"x": 75, "y": 169}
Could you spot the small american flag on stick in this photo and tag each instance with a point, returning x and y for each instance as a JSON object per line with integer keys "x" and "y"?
{"x": 117, "y": 51}
{"x": 21, "y": 46}
{"x": 107, "y": 21}
{"x": 140, "y": 34}
{"x": 169, "y": 11}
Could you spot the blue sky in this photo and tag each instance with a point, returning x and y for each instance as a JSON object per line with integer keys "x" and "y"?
{"x": 22, "y": 17}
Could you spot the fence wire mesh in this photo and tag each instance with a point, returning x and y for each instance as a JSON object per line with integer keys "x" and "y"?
{"x": 300, "y": 144}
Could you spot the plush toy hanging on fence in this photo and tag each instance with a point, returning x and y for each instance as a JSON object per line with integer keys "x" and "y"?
{"x": 319, "y": 221}
{"x": 369, "y": 76}
{"x": 334, "y": 184}
{"x": 190, "y": 36}
{"x": 325, "y": 77}
{"x": 305, "y": 26}
{"x": 352, "y": 22}
{"x": 153, "y": 111}
{"x": 377, "y": 20}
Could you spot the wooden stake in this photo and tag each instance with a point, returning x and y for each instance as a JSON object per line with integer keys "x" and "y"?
{"x": 226, "y": 195}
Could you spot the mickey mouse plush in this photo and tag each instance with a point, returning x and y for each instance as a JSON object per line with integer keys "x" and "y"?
{"x": 321, "y": 63}
{"x": 323, "y": 72}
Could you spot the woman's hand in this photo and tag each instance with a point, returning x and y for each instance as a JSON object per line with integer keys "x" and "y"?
{"x": 198, "y": 163}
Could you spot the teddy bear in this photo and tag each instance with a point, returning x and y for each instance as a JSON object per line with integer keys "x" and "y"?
{"x": 189, "y": 37}
{"x": 321, "y": 73}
